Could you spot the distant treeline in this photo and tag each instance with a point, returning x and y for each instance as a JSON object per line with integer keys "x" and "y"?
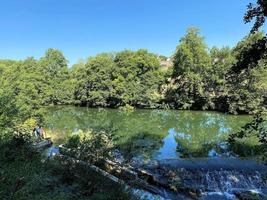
{"x": 199, "y": 78}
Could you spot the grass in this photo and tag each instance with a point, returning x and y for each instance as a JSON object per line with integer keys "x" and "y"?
{"x": 27, "y": 175}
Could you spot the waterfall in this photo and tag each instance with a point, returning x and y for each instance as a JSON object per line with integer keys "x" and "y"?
{"x": 214, "y": 178}
{"x": 226, "y": 183}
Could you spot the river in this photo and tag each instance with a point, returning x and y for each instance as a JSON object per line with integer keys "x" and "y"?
{"x": 172, "y": 139}
{"x": 152, "y": 134}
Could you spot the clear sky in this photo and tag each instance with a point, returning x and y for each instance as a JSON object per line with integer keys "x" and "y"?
{"x": 82, "y": 28}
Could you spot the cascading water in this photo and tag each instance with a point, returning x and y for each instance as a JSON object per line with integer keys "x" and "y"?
{"x": 213, "y": 178}
{"x": 221, "y": 175}
{"x": 233, "y": 182}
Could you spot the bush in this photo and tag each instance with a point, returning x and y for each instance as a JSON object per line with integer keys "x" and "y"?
{"x": 96, "y": 143}
{"x": 257, "y": 130}
{"x": 127, "y": 108}
{"x": 18, "y": 147}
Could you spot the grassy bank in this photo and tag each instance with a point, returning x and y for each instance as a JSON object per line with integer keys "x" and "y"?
{"x": 25, "y": 174}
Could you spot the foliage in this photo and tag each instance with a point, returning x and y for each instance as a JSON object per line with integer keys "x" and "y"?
{"x": 54, "y": 71}
{"x": 127, "y": 77}
{"x": 257, "y": 12}
{"x": 27, "y": 126}
{"x": 8, "y": 110}
{"x": 91, "y": 145}
{"x": 191, "y": 54}
{"x": 245, "y": 79}
{"x": 127, "y": 108}
{"x": 30, "y": 177}
{"x": 250, "y": 70}
{"x": 191, "y": 74}
{"x": 256, "y": 128}
{"x": 220, "y": 79}
{"x": 94, "y": 81}
{"x": 225, "y": 79}
{"x": 248, "y": 52}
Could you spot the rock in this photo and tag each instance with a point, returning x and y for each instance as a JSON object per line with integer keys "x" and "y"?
{"x": 194, "y": 193}
{"x": 250, "y": 195}
{"x": 212, "y": 153}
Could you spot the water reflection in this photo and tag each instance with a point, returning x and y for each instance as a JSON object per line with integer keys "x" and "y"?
{"x": 150, "y": 132}
{"x": 168, "y": 149}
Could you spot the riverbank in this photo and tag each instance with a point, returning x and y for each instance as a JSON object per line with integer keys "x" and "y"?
{"x": 201, "y": 178}
{"x": 25, "y": 174}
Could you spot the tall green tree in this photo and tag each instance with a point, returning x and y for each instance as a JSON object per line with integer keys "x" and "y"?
{"x": 24, "y": 81}
{"x": 246, "y": 86}
{"x": 137, "y": 78}
{"x": 94, "y": 82}
{"x": 222, "y": 59}
{"x": 129, "y": 77}
{"x": 191, "y": 64}
{"x": 191, "y": 54}
{"x": 55, "y": 72}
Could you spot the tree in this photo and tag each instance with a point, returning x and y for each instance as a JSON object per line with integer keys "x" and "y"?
{"x": 258, "y": 11}
{"x": 137, "y": 78}
{"x": 5, "y": 64}
{"x": 251, "y": 69}
{"x": 244, "y": 93}
{"x": 191, "y": 54}
{"x": 222, "y": 59}
{"x": 24, "y": 81}
{"x": 191, "y": 64}
{"x": 129, "y": 77}
{"x": 94, "y": 84}
{"x": 257, "y": 50}
{"x": 8, "y": 110}
{"x": 55, "y": 71}
{"x": 247, "y": 71}
{"x": 249, "y": 52}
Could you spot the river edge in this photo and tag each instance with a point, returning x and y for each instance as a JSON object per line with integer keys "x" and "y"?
{"x": 205, "y": 179}
{"x": 231, "y": 173}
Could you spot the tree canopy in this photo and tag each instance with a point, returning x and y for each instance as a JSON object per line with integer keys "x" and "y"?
{"x": 257, "y": 12}
{"x": 225, "y": 79}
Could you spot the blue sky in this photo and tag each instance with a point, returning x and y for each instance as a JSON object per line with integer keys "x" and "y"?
{"x": 82, "y": 28}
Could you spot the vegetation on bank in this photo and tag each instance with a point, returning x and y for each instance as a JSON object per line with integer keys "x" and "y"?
{"x": 232, "y": 80}
{"x": 27, "y": 174}
{"x": 200, "y": 79}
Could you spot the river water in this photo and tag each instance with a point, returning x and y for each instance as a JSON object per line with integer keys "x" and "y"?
{"x": 151, "y": 134}
{"x": 191, "y": 140}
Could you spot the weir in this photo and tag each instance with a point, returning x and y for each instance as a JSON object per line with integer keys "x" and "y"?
{"x": 202, "y": 178}
{"x": 212, "y": 178}
{"x": 214, "y": 164}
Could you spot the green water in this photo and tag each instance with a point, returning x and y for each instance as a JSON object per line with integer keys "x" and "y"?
{"x": 156, "y": 134}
